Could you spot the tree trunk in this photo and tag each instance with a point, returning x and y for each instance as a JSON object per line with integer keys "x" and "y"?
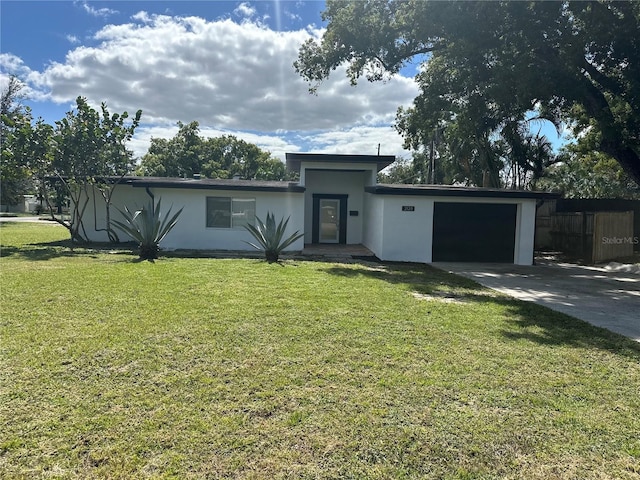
{"x": 598, "y": 108}
{"x": 628, "y": 159}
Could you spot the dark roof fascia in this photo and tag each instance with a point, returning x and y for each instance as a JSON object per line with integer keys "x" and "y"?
{"x": 87, "y": 178}
{"x": 294, "y": 160}
{"x": 340, "y": 170}
{"x": 449, "y": 191}
{"x": 214, "y": 184}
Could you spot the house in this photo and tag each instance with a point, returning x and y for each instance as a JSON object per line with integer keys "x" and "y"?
{"x": 337, "y": 200}
{"x": 24, "y": 204}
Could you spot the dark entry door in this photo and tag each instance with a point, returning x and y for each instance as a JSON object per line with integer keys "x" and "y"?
{"x": 474, "y": 232}
{"x": 329, "y": 219}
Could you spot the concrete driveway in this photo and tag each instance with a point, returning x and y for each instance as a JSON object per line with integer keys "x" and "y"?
{"x": 605, "y": 297}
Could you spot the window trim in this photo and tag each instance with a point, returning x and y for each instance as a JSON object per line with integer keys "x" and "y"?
{"x": 231, "y": 202}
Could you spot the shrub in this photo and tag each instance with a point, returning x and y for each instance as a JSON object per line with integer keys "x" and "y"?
{"x": 147, "y": 228}
{"x": 270, "y": 237}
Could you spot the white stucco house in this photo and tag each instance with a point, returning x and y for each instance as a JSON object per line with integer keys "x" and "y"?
{"x": 337, "y": 200}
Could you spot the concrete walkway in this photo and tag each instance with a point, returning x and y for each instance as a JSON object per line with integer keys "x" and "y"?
{"x": 608, "y": 298}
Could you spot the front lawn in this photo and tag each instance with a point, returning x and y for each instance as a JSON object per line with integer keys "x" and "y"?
{"x": 220, "y": 368}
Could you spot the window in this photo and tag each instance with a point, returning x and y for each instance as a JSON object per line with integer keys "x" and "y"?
{"x": 227, "y": 212}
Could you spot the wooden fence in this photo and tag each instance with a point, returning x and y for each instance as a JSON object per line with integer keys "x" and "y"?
{"x": 612, "y": 235}
{"x": 593, "y": 237}
{"x": 602, "y": 205}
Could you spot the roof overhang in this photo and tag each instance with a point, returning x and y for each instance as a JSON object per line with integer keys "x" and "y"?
{"x": 208, "y": 184}
{"x": 453, "y": 191}
{"x": 294, "y": 160}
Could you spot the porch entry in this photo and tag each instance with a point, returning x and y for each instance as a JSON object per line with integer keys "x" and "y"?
{"x": 329, "y": 218}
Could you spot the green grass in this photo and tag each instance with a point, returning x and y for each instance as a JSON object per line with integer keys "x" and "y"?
{"x": 219, "y": 368}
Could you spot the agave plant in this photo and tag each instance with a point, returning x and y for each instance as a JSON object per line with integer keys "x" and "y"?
{"x": 147, "y": 228}
{"x": 270, "y": 237}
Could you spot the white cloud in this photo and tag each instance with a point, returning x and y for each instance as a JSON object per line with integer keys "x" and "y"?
{"x": 13, "y": 65}
{"x": 98, "y": 12}
{"x": 141, "y": 16}
{"x": 73, "y": 39}
{"x": 245, "y": 10}
{"x": 230, "y": 77}
{"x": 220, "y": 73}
{"x": 363, "y": 140}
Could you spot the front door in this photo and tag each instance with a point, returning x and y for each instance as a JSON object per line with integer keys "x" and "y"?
{"x": 329, "y": 218}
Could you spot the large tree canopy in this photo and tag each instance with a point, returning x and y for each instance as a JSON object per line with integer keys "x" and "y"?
{"x": 489, "y": 65}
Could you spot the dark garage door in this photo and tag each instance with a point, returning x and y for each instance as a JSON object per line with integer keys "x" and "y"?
{"x": 474, "y": 232}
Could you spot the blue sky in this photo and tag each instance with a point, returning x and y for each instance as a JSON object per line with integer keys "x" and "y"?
{"x": 227, "y": 65}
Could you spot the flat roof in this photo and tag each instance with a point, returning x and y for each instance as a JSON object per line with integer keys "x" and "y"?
{"x": 213, "y": 184}
{"x": 295, "y": 159}
{"x": 455, "y": 191}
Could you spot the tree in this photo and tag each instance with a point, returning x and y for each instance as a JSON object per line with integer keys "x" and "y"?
{"x": 188, "y": 153}
{"x": 11, "y": 100}
{"x": 488, "y": 65}
{"x": 528, "y": 155}
{"x": 583, "y": 172}
{"x": 229, "y": 157}
{"x": 423, "y": 168}
{"x": 14, "y": 120}
{"x": 593, "y": 176}
{"x": 516, "y": 159}
{"x": 89, "y": 147}
{"x": 401, "y": 171}
{"x": 180, "y": 156}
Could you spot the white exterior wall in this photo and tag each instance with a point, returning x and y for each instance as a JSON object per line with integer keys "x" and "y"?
{"x": 381, "y": 225}
{"x": 338, "y": 183}
{"x": 95, "y": 215}
{"x": 373, "y": 221}
{"x": 192, "y": 232}
{"x": 525, "y": 232}
{"x": 370, "y": 170}
{"x": 408, "y": 236}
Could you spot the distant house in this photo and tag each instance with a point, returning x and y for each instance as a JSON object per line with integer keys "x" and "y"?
{"x": 25, "y": 204}
{"x": 337, "y": 200}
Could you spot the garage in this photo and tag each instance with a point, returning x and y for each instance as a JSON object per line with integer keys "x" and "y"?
{"x": 446, "y": 223}
{"x": 474, "y": 232}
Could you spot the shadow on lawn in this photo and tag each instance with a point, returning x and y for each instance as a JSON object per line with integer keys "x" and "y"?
{"x": 527, "y": 321}
{"x": 536, "y": 323}
{"x": 64, "y": 248}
